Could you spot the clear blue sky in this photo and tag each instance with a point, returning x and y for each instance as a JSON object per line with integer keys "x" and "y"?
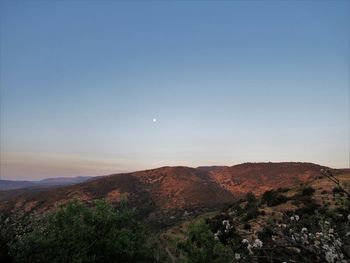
{"x": 227, "y": 81}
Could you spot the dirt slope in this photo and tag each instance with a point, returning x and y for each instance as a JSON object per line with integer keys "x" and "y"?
{"x": 172, "y": 188}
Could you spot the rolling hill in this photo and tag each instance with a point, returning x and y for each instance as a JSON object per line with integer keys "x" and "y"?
{"x": 48, "y": 182}
{"x": 12, "y": 185}
{"x": 172, "y": 190}
{"x": 260, "y": 177}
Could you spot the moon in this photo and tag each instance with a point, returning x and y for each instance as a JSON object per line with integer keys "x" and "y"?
{"x": 154, "y": 120}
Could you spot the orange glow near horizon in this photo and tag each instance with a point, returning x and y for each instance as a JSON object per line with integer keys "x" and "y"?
{"x": 30, "y": 166}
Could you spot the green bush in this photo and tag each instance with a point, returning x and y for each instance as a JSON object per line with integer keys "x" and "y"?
{"x": 200, "y": 246}
{"x": 252, "y": 212}
{"x": 307, "y": 191}
{"x": 77, "y": 233}
{"x": 250, "y": 197}
{"x": 273, "y": 198}
{"x": 283, "y": 189}
{"x": 7, "y": 234}
{"x": 338, "y": 190}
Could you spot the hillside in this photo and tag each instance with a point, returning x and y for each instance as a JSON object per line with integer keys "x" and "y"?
{"x": 190, "y": 212}
{"x": 12, "y": 185}
{"x": 259, "y": 177}
{"x": 169, "y": 191}
{"x": 48, "y": 182}
{"x": 308, "y": 222}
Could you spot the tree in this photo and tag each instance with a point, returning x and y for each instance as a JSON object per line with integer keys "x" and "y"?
{"x": 201, "y": 246}
{"x": 77, "y": 233}
{"x": 273, "y": 198}
{"x": 250, "y": 197}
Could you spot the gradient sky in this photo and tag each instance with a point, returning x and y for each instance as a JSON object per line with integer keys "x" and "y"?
{"x": 228, "y": 82}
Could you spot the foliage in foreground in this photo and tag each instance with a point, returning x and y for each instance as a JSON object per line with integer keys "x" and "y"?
{"x": 77, "y": 233}
{"x": 201, "y": 246}
{"x": 244, "y": 233}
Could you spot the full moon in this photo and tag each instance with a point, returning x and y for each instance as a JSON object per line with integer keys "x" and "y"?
{"x": 154, "y": 120}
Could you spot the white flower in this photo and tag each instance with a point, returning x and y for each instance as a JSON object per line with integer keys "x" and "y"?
{"x": 249, "y": 247}
{"x": 258, "y": 243}
{"x": 338, "y": 242}
{"x": 245, "y": 241}
{"x": 331, "y": 231}
{"x": 304, "y": 229}
{"x": 297, "y": 217}
{"x": 217, "y": 234}
{"x": 237, "y": 256}
{"x": 292, "y": 218}
{"x": 349, "y": 217}
{"x": 330, "y": 257}
{"x": 325, "y": 247}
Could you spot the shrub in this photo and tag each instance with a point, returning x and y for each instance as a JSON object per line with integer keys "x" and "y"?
{"x": 7, "y": 234}
{"x": 307, "y": 191}
{"x": 273, "y": 198}
{"x": 247, "y": 226}
{"x": 338, "y": 190}
{"x": 310, "y": 207}
{"x": 77, "y": 233}
{"x": 250, "y": 197}
{"x": 201, "y": 245}
{"x": 252, "y": 213}
{"x": 283, "y": 189}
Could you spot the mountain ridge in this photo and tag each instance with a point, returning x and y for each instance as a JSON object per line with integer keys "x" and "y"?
{"x": 171, "y": 188}
{"x": 46, "y": 182}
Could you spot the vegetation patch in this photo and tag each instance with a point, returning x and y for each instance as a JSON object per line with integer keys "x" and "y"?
{"x": 273, "y": 198}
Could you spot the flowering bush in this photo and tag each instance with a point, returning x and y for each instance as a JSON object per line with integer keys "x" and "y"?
{"x": 310, "y": 233}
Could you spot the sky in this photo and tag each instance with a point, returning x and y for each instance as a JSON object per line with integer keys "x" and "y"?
{"x": 100, "y": 87}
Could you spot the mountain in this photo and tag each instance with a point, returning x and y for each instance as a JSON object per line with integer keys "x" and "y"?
{"x": 172, "y": 190}
{"x": 59, "y": 181}
{"x": 294, "y": 224}
{"x": 63, "y": 180}
{"x": 11, "y": 185}
{"x": 260, "y": 177}
{"x": 158, "y": 190}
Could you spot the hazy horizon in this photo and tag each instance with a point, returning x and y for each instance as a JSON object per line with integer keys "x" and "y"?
{"x": 111, "y": 172}
{"x": 100, "y": 87}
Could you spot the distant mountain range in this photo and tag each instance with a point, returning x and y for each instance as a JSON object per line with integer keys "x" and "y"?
{"x": 59, "y": 181}
{"x": 165, "y": 190}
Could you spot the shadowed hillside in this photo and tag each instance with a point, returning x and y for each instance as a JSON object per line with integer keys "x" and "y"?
{"x": 49, "y": 182}
{"x": 307, "y": 222}
{"x": 165, "y": 190}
